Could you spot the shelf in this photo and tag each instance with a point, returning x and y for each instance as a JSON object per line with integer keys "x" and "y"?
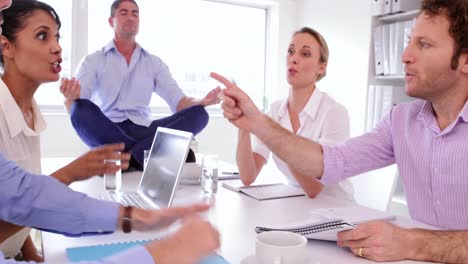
{"x": 399, "y": 77}
{"x": 399, "y": 16}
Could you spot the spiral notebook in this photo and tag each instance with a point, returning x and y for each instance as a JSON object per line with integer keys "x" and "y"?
{"x": 265, "y": 191}
{"x": 325, "y": 223}
{"x": 99, "y": 252}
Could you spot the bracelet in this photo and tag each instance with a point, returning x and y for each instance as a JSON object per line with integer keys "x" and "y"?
{"x": 127, "y": 219}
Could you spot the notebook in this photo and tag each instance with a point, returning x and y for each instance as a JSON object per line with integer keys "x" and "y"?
{"x": 324, "y": 224}
{"x": 161, "y": 175}
{"x": 265, "y": 191}
{"x": 99, "y": 252}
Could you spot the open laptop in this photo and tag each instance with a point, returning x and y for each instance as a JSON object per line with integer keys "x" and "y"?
{"x": 161, "y": 175}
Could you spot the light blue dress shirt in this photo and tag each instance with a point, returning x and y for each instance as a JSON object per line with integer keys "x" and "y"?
{"x": 43, "y": 202}
{"x": 123, "y": 91}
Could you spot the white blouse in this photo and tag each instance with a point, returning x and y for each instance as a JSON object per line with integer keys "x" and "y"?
{"x": 322, "y": 120}
{"x": 20, "y": 144}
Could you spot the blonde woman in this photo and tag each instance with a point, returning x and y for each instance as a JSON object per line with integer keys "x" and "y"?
{"x": 307, "y": 112}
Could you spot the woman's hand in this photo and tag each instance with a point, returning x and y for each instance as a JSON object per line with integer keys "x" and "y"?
{"x": 92, "y": 163}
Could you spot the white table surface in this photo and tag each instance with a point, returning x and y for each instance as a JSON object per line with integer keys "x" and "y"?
{"x": 234, "y": 214}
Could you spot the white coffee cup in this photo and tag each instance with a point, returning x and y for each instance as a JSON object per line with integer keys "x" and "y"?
{"x": 280, "y": 247}
{"x": 191, "y": 173}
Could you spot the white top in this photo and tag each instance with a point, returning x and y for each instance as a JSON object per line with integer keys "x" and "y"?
{"x": 322, "y": 120}
{"x": 20, "y": 144}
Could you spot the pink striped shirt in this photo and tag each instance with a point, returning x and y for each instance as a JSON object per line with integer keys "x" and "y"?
{"x": 432, "y": 163}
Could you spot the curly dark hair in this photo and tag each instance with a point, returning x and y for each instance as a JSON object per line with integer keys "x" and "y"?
{"x": 457, "y": 13}
{"x": 14, "y": 17}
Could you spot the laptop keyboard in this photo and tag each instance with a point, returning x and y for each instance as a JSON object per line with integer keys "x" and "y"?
{"x": 127, "y": 199}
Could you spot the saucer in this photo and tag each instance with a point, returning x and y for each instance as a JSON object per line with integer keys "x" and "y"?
{"x": 249, "y": 260}
{"x": 190, "y": 181}
{"x": 253, "y": 260}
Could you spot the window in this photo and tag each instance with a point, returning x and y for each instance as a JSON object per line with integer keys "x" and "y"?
{"x": 201, "y": 37}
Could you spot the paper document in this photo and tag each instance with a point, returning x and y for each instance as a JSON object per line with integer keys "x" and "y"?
{"x": 265, "y": 191}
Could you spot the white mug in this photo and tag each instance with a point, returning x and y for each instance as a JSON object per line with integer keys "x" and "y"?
{"x": 280, "y": 247}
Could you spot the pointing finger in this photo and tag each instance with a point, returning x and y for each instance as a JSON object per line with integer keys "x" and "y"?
{"x": 222, "y": 80}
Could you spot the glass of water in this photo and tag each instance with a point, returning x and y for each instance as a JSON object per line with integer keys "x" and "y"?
{"x": 146, "y": 154}
{"x": 209, "y": 180}
{"x": 113, "y": 181}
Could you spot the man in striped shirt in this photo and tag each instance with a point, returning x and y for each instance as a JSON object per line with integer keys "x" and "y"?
{"x": 427, "y": 139}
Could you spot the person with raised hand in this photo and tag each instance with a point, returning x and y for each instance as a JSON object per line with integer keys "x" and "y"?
{"x": 433, "y": 171}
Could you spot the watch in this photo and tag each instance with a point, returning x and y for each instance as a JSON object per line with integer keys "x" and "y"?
{"x": 127, "y": 219}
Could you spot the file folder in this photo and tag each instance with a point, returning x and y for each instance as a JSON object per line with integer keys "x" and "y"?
{"x": 378, "y": 51}
{"x": 400, "y": 45}
{"x": 387, "y": 6}
{"x": 393, "y": 59}
{"x": 377, "y": 7}
{"x": 370, "y": 108}
{"x": 100, "y": 252}
{"x": 408, "y": 28}
{"x": 405, "y": 5}
{"x": 386, "y": 48}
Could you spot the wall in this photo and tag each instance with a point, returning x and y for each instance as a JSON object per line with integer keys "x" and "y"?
{"x": 345, "y": 26}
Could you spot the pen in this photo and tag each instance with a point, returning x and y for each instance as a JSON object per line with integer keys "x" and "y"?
{"x": 230, "y": 173}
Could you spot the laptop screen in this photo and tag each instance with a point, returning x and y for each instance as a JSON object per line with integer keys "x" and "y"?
{"x": 165, "y": 162}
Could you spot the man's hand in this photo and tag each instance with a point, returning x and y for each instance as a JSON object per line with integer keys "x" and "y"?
{"x": 212, "y": 97}
{"x": 92, "y": 164}
{"x": 237, "y": 106}
{"x": 193, "y": 241}
{"x": 143, "y": 220}
{"x": 70, "y": 88}
{"x": 378, "y": 241}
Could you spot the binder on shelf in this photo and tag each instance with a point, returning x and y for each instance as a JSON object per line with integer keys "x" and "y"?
{"x": 408, "y": 27}
{"x": 370, "y": 108}
{"x": 391, "y": 96}
{"x": 386, "y": 48}
{"x": 393, "y": 59}
{"x": 399, "y": 47}
{"x": 377, "y": 7}
{"x": 387, "y": 101}
{"x": 387, "y": 6}
{"x": 265, "y": 191}
{"x": 399, "y": 95}
{"x": 325, "y": 223}
{"x": 405, "y": 5}
{"x": 378, "y": 51}
{"x": 378, "y": 104}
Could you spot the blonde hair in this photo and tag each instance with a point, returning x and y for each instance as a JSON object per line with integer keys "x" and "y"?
{"x": 324, "y": 52}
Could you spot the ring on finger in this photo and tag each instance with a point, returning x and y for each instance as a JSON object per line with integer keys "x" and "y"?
{"x": 360, "y": 252}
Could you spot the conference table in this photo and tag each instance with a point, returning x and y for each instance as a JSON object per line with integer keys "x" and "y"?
{"x": 234, "y": 214}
